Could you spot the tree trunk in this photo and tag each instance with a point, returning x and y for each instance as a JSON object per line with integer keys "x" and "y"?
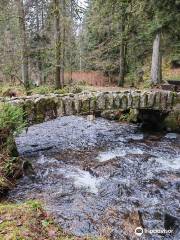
{"x": 71, "y": 40}
{"x": 37, "y": 16}
{"x": 58, "y": 45}
{"x": 156, "y": 71}
{"x": 24, "y": 50}
{"x": 63, "y": 40}
{"x": 42, "y": 14}
{"x": 121, "y": 65}
{"x": 122, "y": 52}
{"x": 39, "y": 58}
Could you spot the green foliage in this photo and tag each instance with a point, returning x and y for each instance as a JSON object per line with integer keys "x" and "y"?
{"x": 135, "y": 23}
{"x": 69, "y": 89}
{"x": 9, "y": 166}
{"x": 62, "y": 91}
{"x": 6, "y": 89}
{"x": 12, "y": 118}
{"x": 44, "y": 89}
{"x": 34, "y": 205}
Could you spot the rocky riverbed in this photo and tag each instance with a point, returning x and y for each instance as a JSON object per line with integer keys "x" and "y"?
{"x": 102, "y": 177}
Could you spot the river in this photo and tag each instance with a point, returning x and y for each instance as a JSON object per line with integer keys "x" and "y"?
{"x": 103, "y": 178}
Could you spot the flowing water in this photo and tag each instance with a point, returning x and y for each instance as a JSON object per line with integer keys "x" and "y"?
{"x": 103, "y": 178}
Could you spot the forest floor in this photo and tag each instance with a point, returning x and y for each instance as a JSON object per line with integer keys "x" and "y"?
{"x": 76, "y": 87}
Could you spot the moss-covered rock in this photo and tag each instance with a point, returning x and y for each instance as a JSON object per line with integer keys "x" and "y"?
{"x": 124, "y": 101}
{"x": 29, "y": 110}
{"x": 101, "y": 102}
{"x": 69, "y": 105}
{"x": 112, "y": 114}
{"x": 172, "y": 121}
{"x": 40, "y": 109}
{"x": 135, "y": 100}
{"x": 109, "y": 101}
{"x": 144, "y": 100}
{"x": 133, "y": 116}
{"x": 85, "y": 105}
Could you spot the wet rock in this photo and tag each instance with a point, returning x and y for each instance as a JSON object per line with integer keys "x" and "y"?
{"x": 171, "y": 136}
{"x": 28, "y": 169}
{"x": 172, "y": 121}
{"x": 131, "y": 221}
{"x": 91, "y": 117}
{"x": 171, "y": 222}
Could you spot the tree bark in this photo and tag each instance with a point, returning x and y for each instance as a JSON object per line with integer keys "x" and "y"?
{"x": 24, "y": 46}
{"x": 63, "y": 40}
{"x": 121, "y": 65}
{"x": 122, "y": 52}
{"x": 58, "y": 82}
{"x": 71, "y": 40}
{"x": 156, "y": 71}
{"x": 37, "y": 16}
{"x": 39, "y": 58}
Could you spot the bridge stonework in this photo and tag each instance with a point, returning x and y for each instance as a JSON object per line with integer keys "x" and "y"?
{"x": 40, "y": 108}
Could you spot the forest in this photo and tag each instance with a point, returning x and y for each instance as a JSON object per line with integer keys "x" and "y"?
{"x": 129, "y": 42}
{"x": 89, "y": 119}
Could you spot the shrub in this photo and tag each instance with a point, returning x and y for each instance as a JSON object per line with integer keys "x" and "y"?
{"x": 42, "y": 90}
{"x": 6, "y": 90}
{"x": 11, "y": 118}
{"x": 11, "y": 121}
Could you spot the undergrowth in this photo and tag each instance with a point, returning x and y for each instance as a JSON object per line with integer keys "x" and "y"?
{"x": 11, "y": 123}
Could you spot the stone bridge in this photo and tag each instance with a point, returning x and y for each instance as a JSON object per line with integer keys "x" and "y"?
{"x": 137, "y": 105}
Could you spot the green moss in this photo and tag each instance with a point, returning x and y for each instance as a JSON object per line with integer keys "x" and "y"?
{"x": 132, "y": 116}
{"x": 40, "y": 107}
{"x": 85, "y": 107}
{"x": 172, "y": 122}
{"x": 93, "y": 103}
{"x": 29, "y": 111}
{"x": 129, "y": 116}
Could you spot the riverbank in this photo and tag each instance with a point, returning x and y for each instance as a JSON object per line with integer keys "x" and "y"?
{"x": 29, "y": 221}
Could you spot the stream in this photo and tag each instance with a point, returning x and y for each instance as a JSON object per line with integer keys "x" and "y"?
{"x": 103, "y": 178}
